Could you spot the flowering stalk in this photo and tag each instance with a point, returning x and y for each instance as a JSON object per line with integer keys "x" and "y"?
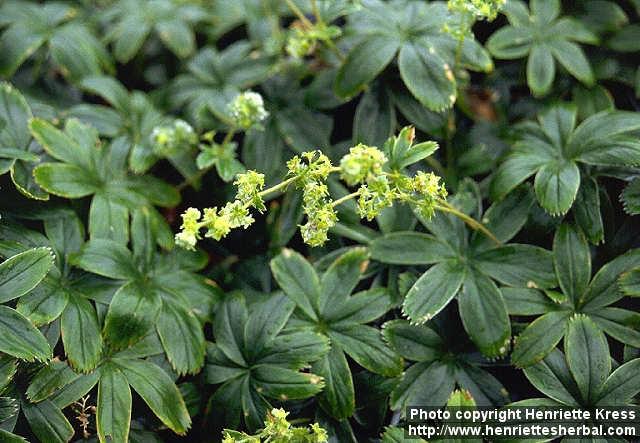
{"x": 380, "y": 181}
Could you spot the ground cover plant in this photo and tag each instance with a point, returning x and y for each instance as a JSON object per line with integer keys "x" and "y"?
{"x": 287, "y": 220}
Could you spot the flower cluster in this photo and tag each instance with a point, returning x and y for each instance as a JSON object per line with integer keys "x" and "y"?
{"x": 312, "y": 170}
{"x": 247, "y": 110}
{"x": 467, "y": 12}
{"x": 361, "y": 163}
{"x": 278, "y": 429}
{"x": 302, "y": 40}
{"x": 379, "y": 186}
{"x": 219, "y": 222}
{"x": 168, "y": 140}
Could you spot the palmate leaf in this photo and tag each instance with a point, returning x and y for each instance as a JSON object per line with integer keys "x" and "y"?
{"x": 553, "y": 150}
{"x": 436, "y": 356}
{"x": 546, "y": 39}
{"x": 593, "y": 300}
{"x": 249, "y": 377}
{"x": 424, "y": 61}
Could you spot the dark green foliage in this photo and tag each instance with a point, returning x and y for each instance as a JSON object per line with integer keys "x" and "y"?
{"x": 467, "y": 173}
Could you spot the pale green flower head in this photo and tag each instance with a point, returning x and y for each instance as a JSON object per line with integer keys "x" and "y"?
{"x": 247, "y": 110}
{"x": 362, "y": 163}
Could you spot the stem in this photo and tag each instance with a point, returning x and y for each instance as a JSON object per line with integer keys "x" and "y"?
{"x": 474, "y": 224}
{"x": 279, "y": 186}
{"x": 451, "y": 122}
{"x": 202, "y": 172}
{"x": 345, "y": 198}
{"x": 316, "y": 12}
{"x": 294, "y": 8}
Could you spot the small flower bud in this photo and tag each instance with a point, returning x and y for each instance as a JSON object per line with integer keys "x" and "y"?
{"x": 247, "y": 110}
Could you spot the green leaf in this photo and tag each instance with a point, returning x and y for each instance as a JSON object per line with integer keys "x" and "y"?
{"x": 338, "y": 396}
{"x": 603, "y": 129}
{"x": 132, "y": 35}
{"x": 9, "y": 408}
{"x": 363, "y": 307}
{"x": 113, "y": 414}
{"x": 109, "y": 88}
{"x": 16, "y": 45}
{"x": 132, "y": 313}
{"x": 158, "y": 392}
{"x": 66, "y": 180}
{"x": 15, "y": 114}
{"x": 541, "y": 69}
{"x": 365, "y": 345}
{"x": 622, "y": 385}
{"x": 485, "y": 388}
{"x": 47, "y": 422}
{"x": 80, "y": 332}
{"x": 510, "y": 42}
{"x": 504, "y": 218}
{"x": 182, "y": 337}
{"x": 630, "y": 197}
{"x": 620, "y": 324}
{"x": 556, "y": 186}
{"x": 52, "y": 377}
{"x": 427, "y": 76}
{"x": 375, "y": 118}
{"x": 518, "y": 265}
{"x": 19, "y": 338}
{"x": 516, "y": 168}
{"x": 298, "y": 280}
{"x": 630, "y": 282}
{"x": 604, "y": 288}
{"x": 433, "y": 291}
{"x": 539, "y": 338}
{"x": 527, "y": 301}
{"x": 107, "y": 258}
{"x": 410, "y": 248}
{"x": 586, "y": 210}
{"x": 22, "y": 272}
{"x": 8, "y": 437}
{"x": 8, "y": 368}
{"x": 75, "y": 390}
{"x": 364, "y": 63}
{"x": 285, "y": 384}
{"x": 413, "y": 342}
{"x": 484, "y": 315}
{"x": 572, "y": 261}
{"x": 552, "y": 377}
{"x": 295, "y": 349}
{"x": 341, "y": 278}
{"x": 571, "y": 57}
{"x": 265, "y": 322}
{"x": 58, "y": 144}
{"x": 178, "y": 37}
{"x": 229, "y": 328}
{"x": 108, "y": 220}
{"x": 218, "y": 368}
{"x": 544, "y": 11}
{"x": 587, "y": 355}
{"x": 425, "y": 383}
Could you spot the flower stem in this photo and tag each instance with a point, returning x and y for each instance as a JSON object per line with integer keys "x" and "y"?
{"x": 474, "y": 224}
{"x": 294, "y": 8}
{"x": 279, "y": 186}
{"x": 345, "y": 198}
